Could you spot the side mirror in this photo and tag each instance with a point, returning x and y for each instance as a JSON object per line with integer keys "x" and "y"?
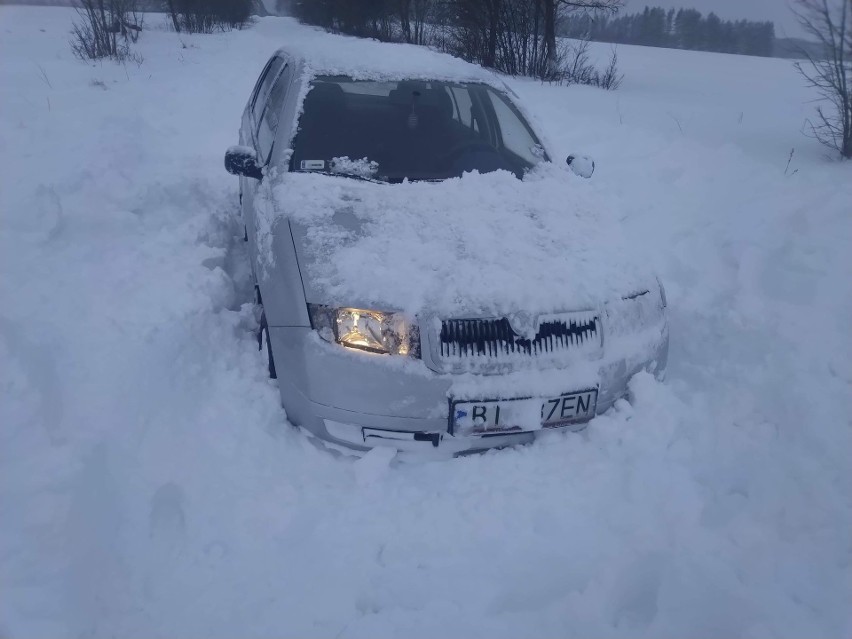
{"x": 242, "y": 160}
{"x": 582, "y": 165}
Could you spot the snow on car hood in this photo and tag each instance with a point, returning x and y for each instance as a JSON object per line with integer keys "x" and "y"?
{"x": 478, "y": 245}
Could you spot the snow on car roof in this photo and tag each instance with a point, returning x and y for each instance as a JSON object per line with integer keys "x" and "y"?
{"x": 364, "y": 59}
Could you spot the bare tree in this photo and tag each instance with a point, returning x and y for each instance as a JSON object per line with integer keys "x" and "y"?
{"x": 551, "y": 9}
{"x": 412, "y": 19}
{"x": 420, "y": 14}
{"x": 172, "y": 11}
{"x": 573, "y": 66}
{"x": 830, "y": 22}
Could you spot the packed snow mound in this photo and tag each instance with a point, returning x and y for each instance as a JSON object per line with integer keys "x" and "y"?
{"x": 482, "y": 243}
{"x": 363, "y": 59}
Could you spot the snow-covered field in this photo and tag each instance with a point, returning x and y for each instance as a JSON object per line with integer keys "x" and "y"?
{"x": 150, "y": 485}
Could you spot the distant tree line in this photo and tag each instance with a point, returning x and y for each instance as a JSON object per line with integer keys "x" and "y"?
{"x": 682, "y": 29}
{"x": 513, "y": 36}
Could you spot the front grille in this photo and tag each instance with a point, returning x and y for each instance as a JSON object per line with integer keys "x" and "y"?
{"x": 495, "y": 338}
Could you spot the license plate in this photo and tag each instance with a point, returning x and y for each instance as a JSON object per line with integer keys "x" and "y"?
{"x": 477, "y": 417}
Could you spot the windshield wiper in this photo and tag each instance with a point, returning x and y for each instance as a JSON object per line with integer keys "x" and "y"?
{"x": 399, "y": 179}
{"x": 354, "y": 176}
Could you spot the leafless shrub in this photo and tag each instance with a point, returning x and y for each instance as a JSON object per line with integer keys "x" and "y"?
{"x": 105, "y": 29}
{"x": 517, "y": 37}
{"x": 830, "y": 22}
{"x": 572, "y": 65}
{"x": 610, "y": 77}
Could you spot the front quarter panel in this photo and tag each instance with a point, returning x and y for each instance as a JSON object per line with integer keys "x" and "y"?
{"x": 280, "y": 280}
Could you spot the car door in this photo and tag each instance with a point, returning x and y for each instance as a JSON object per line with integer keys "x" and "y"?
{"x": 260, "y": 123}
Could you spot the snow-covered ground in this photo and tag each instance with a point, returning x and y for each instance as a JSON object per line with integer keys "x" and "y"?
{"x": 150, "y": 485}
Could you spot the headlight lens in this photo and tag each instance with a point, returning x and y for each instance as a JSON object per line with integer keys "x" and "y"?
{"x": 367, "y": 330}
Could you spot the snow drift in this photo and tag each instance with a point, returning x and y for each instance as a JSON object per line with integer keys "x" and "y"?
{"x": 151, "y": 487}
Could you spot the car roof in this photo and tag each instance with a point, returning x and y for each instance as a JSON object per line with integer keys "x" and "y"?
{"x": 321, "y": 53}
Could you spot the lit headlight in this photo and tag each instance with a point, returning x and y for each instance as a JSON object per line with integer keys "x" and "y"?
{"x": 367, "y": 330}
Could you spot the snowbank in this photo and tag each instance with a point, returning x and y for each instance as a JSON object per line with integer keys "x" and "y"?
{"x": 149, "y": 483}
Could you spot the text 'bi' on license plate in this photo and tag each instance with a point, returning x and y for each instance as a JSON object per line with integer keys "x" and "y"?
{"x": 524, "y": 414}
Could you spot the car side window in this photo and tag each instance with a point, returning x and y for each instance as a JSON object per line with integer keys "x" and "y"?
{"x": 516, "y": 137}
{"x": 264, "y": 85}
{"x": 268, "y": 126}
{"x": 462, "y": 104}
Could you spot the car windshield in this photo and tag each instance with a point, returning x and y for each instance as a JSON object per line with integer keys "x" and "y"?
{"x": 414, "y": 130}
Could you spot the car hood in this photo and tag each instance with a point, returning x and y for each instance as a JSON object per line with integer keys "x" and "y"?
{"x": 478, "y": 245}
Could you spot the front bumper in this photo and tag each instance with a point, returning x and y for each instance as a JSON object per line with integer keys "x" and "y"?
{"x": 360, "y": 401}
{"x": 438, "y": 443}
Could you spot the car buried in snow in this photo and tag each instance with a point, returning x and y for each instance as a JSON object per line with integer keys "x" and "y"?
{"x": 426, "y": 277}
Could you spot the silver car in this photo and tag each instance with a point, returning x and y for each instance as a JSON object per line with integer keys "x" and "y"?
{"x": 444, "y": 372}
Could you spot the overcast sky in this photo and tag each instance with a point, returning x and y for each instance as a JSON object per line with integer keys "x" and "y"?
{"x": 778, "y": 11}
